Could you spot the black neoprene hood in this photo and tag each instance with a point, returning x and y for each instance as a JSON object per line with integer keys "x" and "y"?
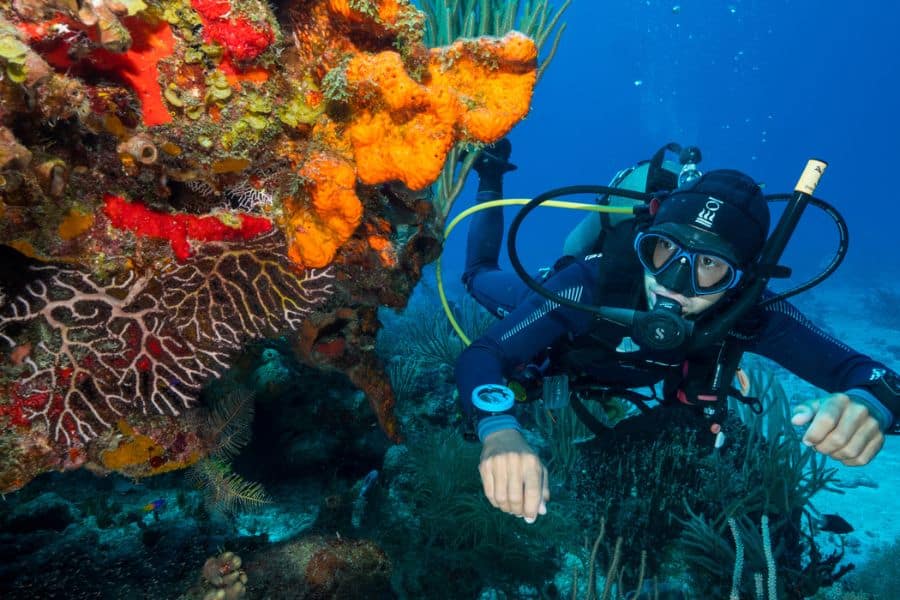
{"x": 724, "y": 211}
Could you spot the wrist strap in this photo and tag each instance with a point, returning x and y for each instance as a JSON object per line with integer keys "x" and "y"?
{"x": 489, "y": 425}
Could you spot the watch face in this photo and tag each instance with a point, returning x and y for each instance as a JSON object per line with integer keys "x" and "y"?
{"x": 493, "y": 398}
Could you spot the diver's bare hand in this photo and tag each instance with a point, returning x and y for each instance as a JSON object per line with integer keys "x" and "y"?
{"x": 513, "y": 477}
{"x": 840, "y": 428}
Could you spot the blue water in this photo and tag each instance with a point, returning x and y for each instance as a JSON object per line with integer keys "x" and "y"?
{"x": 759, "y": 86}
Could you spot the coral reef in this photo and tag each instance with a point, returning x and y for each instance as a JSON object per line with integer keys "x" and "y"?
{"x": 225, "y": 575}
{"x": 181, "y": 177}
{"x": 322, "y": 567}
{"x": 702, "y": 511}
{"x": 224, "y": 490}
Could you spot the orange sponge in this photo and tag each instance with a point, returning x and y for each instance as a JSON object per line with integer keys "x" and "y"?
{"x": 316, "y": 230}
{"x": 401, "y": 129}
{"x": 496, "y": 97}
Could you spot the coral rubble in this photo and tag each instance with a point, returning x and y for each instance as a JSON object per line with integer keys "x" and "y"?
{"x": 181, "y": 177}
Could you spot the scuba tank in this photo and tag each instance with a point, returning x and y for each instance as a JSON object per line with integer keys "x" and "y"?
{"x": 657, "y": 174}
{"x": 689, "y": 158}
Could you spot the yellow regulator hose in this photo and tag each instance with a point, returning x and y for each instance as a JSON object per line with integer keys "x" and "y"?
{"x": 621, "y": 210}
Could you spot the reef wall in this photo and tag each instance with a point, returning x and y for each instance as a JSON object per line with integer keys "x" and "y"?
{"x": 181, "y": 177}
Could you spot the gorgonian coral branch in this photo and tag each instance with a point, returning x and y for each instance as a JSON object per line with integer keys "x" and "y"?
{"x": 148, "y": 343}
{"x": 226, "y": 295}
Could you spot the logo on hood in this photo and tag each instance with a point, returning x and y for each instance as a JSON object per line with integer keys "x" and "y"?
{"x": 707, "y": 214}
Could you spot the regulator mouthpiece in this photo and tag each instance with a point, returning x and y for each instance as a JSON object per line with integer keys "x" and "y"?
{"x": 663, "y": 328}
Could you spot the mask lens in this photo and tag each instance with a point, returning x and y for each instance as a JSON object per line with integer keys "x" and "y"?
{"x": 656, "y": 251}
{"x": 712, "y": 274}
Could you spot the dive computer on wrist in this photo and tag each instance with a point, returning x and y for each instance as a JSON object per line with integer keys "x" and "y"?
{"x": 493, "y": 398}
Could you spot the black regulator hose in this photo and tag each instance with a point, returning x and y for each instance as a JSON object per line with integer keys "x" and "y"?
{"x": 619, "y": 315}
{"x": 836, "y": 260}
{"x": 750, "y": 294}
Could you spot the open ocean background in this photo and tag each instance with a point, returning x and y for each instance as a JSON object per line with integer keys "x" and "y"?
{"x": 760, "y": 86}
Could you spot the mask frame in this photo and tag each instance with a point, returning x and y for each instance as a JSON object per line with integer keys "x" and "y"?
{"x": 671, "y": 273}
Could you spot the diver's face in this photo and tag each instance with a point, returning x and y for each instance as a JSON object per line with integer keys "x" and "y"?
{"x": 691, "y": 305}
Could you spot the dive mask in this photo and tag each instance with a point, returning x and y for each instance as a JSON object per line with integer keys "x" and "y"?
{"x": 686, "y": 264}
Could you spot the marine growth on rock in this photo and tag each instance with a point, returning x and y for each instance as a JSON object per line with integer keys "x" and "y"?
{"x": 181, "y": 177}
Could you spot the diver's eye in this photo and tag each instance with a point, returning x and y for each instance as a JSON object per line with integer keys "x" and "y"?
{"x": 663, "y": 251}
{"x": 710, "y": 262}
{"x": 711, "y": 271}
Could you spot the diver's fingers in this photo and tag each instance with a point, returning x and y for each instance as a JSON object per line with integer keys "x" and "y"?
{"x": 487, "y": 479}
{"x": 501, "y": 481}
{"x": 861, "y": 440}
{"x": 804, "y": 413}
{"x": 534, "y": 486}
{"x": 853, "y": 433}
{"x": 545, "y": 492}
{"x": 850, "y": 419}
{"x": 823, "y": 423}
{"x": 496, "y": 472}
{"x": 515, "y": 486}
{"x": 872, "y": 448}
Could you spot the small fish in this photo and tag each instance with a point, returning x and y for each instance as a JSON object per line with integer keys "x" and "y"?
{"x": 368, "y": 482}
{"x": 158, "y": 504}
{"x": 835, "y": 524}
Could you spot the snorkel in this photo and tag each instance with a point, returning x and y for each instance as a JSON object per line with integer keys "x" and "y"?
{"x": 664, "y": 326}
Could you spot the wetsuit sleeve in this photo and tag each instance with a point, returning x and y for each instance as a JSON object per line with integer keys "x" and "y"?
{"x": 795, "y": 343}
{"x": 520, "y": 336}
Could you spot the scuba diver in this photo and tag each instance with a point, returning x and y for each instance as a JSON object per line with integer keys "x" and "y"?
{"x": 677, "y": 294}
